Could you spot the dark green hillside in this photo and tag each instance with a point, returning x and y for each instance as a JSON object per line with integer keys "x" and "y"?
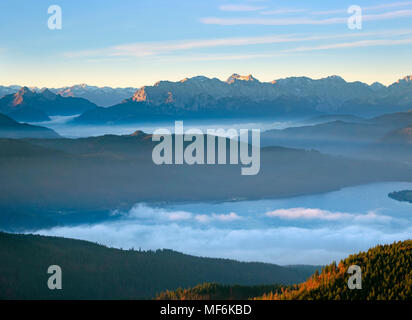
{"x": 21, "y": 149}
{"x": 92, "y": 271}
{"x": 215, "y": 291}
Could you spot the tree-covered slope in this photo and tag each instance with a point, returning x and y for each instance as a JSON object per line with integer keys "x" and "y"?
{"x": 92, "y": 271}
{"x": 386, "y": 275}
{"x": 215, "y": 291}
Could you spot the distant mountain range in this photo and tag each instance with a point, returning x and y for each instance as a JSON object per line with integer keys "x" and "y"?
{"x": 349, "y": 135}
{"x": 101, "y": 96}
{"x": 239, "y": 96}
{"x": 8, "y": 90}
{"x": 335, "y": 129}
{"x": 247, "y": 97}
{"x": 29, "y": 106}
{"x": 330, "y": 92}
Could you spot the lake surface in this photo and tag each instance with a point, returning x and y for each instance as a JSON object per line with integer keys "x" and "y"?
{"x": 314, "y": 229}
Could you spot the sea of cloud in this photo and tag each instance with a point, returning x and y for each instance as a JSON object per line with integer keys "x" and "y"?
{"x": 245, "y": 237}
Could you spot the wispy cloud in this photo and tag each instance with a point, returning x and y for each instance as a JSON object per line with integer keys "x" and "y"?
{"x": 388, "y": 15}
{"x": 141, "y": 211}
{"x": 354, "y": 44}
{"x": 204, "y": 218}
{"x": 283, "y": 11}
{"x": 269, "y": 21}
{"x": 159, "y": 215}
{"x": 302, "y": 21}
{"x": 319, "y": 214}
{"x": 225, "y": 57}
{"x": 389, "y": 5}
{"x": 307, "y": 213}
{"x": 161, "y": 48}
{"x": 282, "y": 245}
{"x": 239, "y": 7}
{"x": 365, "y": 9}
{"x": 148, "y": 49}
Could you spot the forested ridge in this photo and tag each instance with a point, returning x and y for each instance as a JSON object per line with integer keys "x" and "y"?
{"x": 386, "y": 275}
{"x": 215, "y": 291}
{"x": 93, "y": 271}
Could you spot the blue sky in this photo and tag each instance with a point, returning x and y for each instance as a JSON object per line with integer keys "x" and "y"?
{"x": 135, "y": 43}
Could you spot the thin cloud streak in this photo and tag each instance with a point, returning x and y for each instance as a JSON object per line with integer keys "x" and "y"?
{"x": 282, "y": 245}
{"x": 370, "y": 8}
{"x": 302, "y": 21}
{"x": 204, "y": 218}
{"x": 147, "y": 49}
{"x": 151, "y": 49}
{"x": 388, "y": 15}
{"x": 283, "y": 11}
{"x": 239, "y": 8}
{"x": 355, "y": 44}
{"x": 269, "y": 22}
{"x": 143, "y": 212}
{"x": 319, "y": 214}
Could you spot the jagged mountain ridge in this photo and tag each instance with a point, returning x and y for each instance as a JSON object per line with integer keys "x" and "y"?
{"x": 199, "y": 90}
{"x": 330, "y": 95}
{"x": 31, "y": 106}
{"x": 332, "y": 92}
{"x": 246, "y": 97}
{"x": 101, "y": 96}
